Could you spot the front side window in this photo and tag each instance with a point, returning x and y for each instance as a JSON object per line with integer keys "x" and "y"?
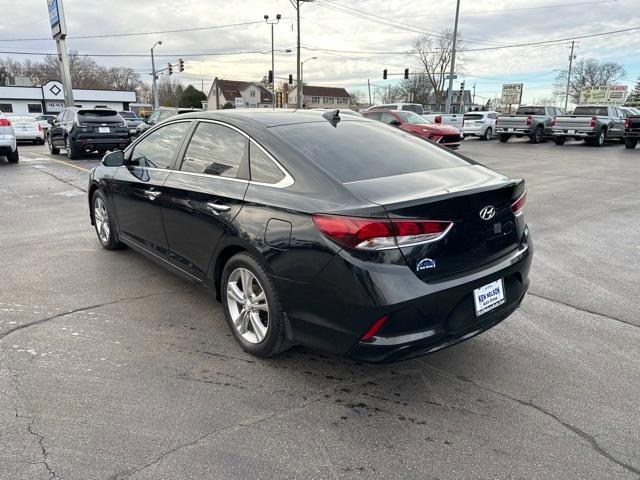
{"x": 263, "y": 169}
{"x": 412, "y": 118}
{"x": 159, "y": 148}
{"x": 387, "y": 118}
{"x": 215, "y": 150}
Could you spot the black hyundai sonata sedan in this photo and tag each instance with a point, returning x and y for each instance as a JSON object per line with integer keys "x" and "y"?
{"x": 335, "y": 232}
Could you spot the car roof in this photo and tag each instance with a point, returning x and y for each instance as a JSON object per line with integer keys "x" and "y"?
{"x": 267, "y": 117}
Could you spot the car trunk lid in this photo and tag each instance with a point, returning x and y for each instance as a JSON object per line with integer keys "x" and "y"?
{"x": 458, "y": 195}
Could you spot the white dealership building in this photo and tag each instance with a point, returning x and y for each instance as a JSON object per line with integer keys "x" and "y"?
{"x": 49, "y": 98}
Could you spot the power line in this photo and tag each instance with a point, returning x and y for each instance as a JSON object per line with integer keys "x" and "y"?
{"x": 142, "y": 55}
{"x": 135, "y": 34}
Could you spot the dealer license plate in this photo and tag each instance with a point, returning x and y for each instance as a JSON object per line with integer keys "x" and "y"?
{"x": 489, "y": 297}
{"x": 511, "y": 129}
{"x": 103, "y": 130}
{"x": 571, "y": 132}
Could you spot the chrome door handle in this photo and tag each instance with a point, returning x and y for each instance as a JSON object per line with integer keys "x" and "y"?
{"x": 218, "y": 207}
{"x": 151, "y": 194}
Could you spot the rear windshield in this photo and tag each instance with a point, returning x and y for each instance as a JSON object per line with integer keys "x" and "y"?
{"x": 530, "y": 111}
{"x": 128, "y": 115}
{"x": 99, "y": 116}
{"x": 360, "y": 150}
{"x": 474, "y": 116}
{"x": 591, "y": 111}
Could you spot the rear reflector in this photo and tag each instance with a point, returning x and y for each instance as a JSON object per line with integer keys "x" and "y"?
{"x": 379, "y": 234}
{"x": 518, "y": 205}
{"x": 367, "y": 337}
{"x": 4, "y": 122}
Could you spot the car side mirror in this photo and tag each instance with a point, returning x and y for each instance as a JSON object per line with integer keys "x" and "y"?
{"x": 113, "y": 159}
{"x": 395, "y": 123}
{"x": 51, "y": 121}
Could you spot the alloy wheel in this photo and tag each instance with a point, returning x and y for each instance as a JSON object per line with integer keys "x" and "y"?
{"x": 101, "y": 218}
{"x": 247, "y": 304}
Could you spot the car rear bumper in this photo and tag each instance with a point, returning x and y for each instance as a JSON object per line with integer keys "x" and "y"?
{"x": 474, "y": 131}
{"x": 90, "y": 143}
{"x": 31, "y": 135}
{"x": 566, "y": 132}
{"x": 7, "y": 144}
{"x": 333, "y": 313}
{"x": 632, "y": 134}
{"x": 513, "y": 130}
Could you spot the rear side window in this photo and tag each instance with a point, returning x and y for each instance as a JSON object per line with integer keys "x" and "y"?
{"x": 215, "y": 150}
{"x": 530, "y": 111}
{"x": 359, "y": 150}
{"x": 263, "y": 169}
{"x": 159, "y": 148}
{"x": 591, "y": 111}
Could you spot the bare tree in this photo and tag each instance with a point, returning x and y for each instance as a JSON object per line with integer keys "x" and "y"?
{"x": 358, "y": 97}
{"x": 588, "y": 73}
{"x": 143, "y": 93}
{"x": 169, "y": 91}
{"x": 434, "y": 54}
{"x": 122, "y": 78}
{"x": 416, "y": 89}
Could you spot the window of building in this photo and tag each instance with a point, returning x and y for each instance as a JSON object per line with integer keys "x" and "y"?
{"x": 6, "y": 108}
{"x": 215, "y": 150}
{"x": 327, "y": 100}
{"x": 252, "y": 93}
{"x": 158, "y": 149}
{"x": 34, "y": 107}
{"x": 263, "y": 169}
{"x": 315, "y": 99}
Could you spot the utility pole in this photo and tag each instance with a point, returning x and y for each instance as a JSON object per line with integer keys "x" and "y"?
{"x": 474, "y": 94}
{"x": 299, "y": 98}
{"x": 369, "y": 86}
{"x": 273, "y": 71}
{"x": 59, "y": 33}
{"x": 301, "y": 88}
{"x": 571, "y": 57}
{"x": 154, "y": 73}
{"x": 447, "y": 107}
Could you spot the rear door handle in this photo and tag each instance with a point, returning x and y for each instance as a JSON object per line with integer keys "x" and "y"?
{"x": 218, "y": 207}
{"x": 151, "y": 194}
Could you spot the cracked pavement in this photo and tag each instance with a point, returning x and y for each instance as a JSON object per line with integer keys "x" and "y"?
{"x": 112, "y": 368}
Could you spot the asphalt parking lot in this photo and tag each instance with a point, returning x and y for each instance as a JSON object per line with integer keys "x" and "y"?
{"x": 111, "y": 367}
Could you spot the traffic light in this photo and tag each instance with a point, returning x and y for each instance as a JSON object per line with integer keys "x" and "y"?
{"x": 180, "y": 65}
{"x": 406, "y": 74}
{"x": 290, "y": 79}
{"x": 270, "y": 77}
{"x": 170, "y": 68}
{"x": 384, "y": 74}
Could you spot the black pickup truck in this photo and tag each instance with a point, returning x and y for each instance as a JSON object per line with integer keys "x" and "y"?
{"x": 632, "y": 131}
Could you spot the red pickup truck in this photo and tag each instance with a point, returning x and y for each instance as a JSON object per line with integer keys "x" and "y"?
{"x": 445, "y": 135}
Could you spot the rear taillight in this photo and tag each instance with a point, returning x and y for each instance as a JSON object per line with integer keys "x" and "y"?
{"x": 593, "y": 122}
{"x": 528, "y": 121}
{"x": 39, "y": 127}
{"x": 438, "y": 119}
{"x": 378, "y": 234}
{"x": 553, "y": 122}
{"x": 627, "y": 123}
{"x": 4, "y": 122}
{"x": 518, "y": 205}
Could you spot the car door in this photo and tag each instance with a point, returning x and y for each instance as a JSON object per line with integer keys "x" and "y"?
{"x": 204, "y": 194}
{"x": 135, "y": 190}
{"x": 619, "y": 121}
{"x": 56, "y": 132}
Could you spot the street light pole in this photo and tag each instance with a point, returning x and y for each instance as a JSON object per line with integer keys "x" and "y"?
{"x": 301, "y": 88}
{"x": 156, "y": 102}
{"x": 571, "y": 57}
{"x": 298, "y": 67}
{"x": 273, "y": 64}
{"x": 447, "y": 106}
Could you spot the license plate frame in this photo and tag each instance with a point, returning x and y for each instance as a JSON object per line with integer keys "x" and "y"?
{"x": 571, "y": 132}
{"x": 489, "y": 297}
{"x": 104, "y": 130}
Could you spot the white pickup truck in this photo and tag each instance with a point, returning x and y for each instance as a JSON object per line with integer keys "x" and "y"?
{"x": 453, "y": 119}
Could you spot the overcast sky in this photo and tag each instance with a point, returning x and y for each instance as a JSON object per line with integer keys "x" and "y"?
{"x": 482, "y": 24}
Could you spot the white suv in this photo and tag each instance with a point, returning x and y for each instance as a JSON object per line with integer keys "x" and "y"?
{"x": 8, "y": 145}
{"x": 480, "y": 124}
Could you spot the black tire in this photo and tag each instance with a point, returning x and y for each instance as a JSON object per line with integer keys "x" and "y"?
{"x": 13, "y": 157}
{"x": 630, "y": 142}
{"x": 488, "y": 134}
{"x": 274, "y": 341}
{"x": 623, "y": 140}
{"x": 52, "y": 150}
{"x": 537, "y": 135}
{"x": 70, "y": 147}
{"x": 36, "y": 141}
{"x": 504, "y": 138}
{"x": 560, "y": 140}
{"x": 109, "y": 240}
{"x": 599, "y": 140}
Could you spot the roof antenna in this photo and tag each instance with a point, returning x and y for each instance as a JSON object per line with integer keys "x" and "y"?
{"x": 333, "y": 116}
